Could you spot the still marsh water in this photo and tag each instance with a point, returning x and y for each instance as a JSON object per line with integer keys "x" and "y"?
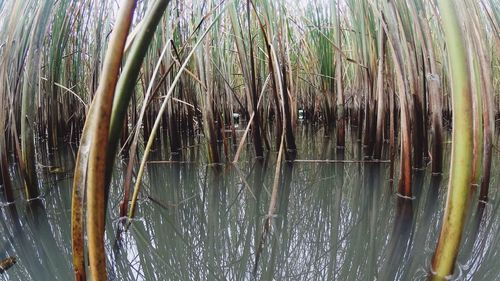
{"x": 334, "y": 221}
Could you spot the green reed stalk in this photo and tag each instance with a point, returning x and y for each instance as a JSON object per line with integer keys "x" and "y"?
{"x": 128, "y": 78}
{"x": 448, "y": 244}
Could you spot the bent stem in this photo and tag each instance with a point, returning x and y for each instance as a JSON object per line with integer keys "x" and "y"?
{"x": 447, "y": 248}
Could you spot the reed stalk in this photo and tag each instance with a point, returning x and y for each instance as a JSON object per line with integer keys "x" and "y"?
{"x": 339, "y": 69}
{"x": 443, "y": 262}
{"x": 436, "y": 109}
{"x": 381, "y": 110}
{"x": 97, "y": 161}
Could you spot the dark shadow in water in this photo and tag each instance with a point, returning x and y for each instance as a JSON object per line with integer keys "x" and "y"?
{"x": 418, "y": 185}
{"x": 431, "y": 201}
{"x": 258, "y": 182}
{"x": 400, "y": 242}
{"x": 215, "y": 219}
{"x": 251, "y": 231}
{"x": 280, "y": 239}
{"x": 371, "y": 197}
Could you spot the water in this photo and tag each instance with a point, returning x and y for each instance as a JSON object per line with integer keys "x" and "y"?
{"x": 337, "y": 221}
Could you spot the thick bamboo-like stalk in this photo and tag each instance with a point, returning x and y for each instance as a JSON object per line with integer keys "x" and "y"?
{"x": 5, "y": 89}
{"x": 404, "y": 185}
{"x": 77, "y": 202}
{"x": 99, "y": 129}
{"x": 443, "y": 262}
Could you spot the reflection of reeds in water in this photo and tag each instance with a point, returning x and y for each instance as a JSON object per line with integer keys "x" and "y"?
{"x": 41, "y": 254}
{"x": 335, "y": 220}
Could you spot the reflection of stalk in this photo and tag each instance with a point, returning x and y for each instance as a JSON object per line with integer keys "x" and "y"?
{"x": 446, "y": 252}
{"x": 252, "y": 211}
{"x": 336, "y": 218}
{"x": 400, "y": 244}
{"x": 272, "y": 205}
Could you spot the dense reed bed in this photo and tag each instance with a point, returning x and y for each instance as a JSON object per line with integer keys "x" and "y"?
{"x": 117, "y": 76}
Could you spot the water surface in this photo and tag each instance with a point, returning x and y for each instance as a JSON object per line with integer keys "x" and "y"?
{"x": 333, "y": 221}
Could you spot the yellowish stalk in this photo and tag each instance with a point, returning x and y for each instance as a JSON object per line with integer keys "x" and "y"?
{"x": 447, "y": 248}
{"x": 96, "y": 205}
